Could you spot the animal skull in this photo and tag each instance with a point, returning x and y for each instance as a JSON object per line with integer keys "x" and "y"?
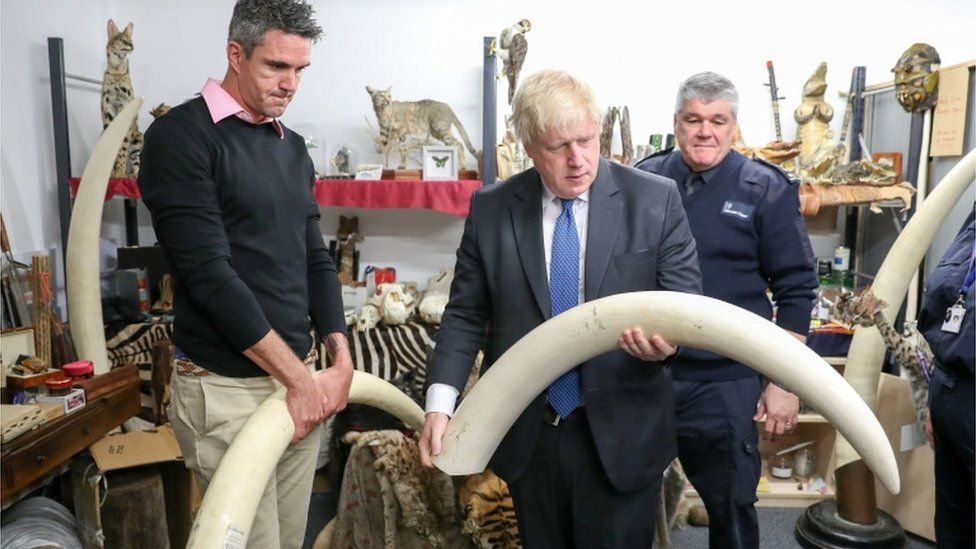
{"x": 368, "y": 318}
{"x": 435, "y": 298}
{"x": 394, "y": 302}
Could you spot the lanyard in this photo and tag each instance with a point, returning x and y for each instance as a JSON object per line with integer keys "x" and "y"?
{"x": 971, "y": 275}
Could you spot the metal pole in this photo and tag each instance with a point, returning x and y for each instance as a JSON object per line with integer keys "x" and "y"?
{"x": 489, "y": 115}
{"x": 62, "y": 152}
{"x": 857, "y": 128}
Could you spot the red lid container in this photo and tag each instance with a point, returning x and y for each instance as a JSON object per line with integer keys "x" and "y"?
{"x": 81, "y": 369}
{"x": 58, "y": 386}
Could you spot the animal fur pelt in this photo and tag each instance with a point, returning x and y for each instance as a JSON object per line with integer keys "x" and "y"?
{"x": 489, "y": 514}
{"x": 389, "y": 500}
{"x": 675, "y": 506}
{"x": 909, "y": 350}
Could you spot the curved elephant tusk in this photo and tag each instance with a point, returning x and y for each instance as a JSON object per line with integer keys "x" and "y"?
{"x": 227, "y": 512}
{"x": 593, "y": 328}
{"x": 324, "y": 539}
{"x": 867, "y": 350}
{"x": 81, "y": 255}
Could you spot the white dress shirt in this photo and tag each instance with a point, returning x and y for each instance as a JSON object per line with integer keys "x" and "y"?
{"x": 442, "y": 397}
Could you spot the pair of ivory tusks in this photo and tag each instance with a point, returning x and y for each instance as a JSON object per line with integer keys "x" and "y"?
{"x": 82, "y": 256}
{"x": 526, "y": 369}
{"x": 867, "y": 350}
{"x": 232, "y": 498}
{"x": 593, "y": 328}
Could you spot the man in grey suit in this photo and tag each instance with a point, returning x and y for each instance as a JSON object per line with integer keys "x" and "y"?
{"x": 584, "y": 460}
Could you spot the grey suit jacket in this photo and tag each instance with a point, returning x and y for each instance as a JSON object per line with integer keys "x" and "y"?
{"x": 638, "y": 239}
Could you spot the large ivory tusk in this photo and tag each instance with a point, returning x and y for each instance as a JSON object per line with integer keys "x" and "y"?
{"x": 232, "y": 498}
{"x": 82, "y": 256}
{"x": 324, "y": 539}
{"x": 863, "y": 368}
{"x": 591, "y": 329}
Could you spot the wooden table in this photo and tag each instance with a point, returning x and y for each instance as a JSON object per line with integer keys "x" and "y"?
{"x": 30, "y": 459}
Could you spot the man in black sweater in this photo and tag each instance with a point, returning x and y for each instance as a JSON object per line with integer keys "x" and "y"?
{"x": 745, "y": 217}
{"x": 230, "y": 192}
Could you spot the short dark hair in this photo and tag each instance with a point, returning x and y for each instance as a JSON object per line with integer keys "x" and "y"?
{"x": 253, "y": 18}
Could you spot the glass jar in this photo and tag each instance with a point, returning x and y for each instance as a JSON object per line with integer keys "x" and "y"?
{"x": 804, "y": 462}
{"x": 781, "y": 465}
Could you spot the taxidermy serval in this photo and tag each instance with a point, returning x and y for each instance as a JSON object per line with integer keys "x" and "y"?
{"x": 422, "y": 119}
{"x": 116, "y": 94}
{"x": 909, "y": 349}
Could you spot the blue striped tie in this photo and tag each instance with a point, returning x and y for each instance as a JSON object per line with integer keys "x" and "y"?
{"x": 564, "y": 393}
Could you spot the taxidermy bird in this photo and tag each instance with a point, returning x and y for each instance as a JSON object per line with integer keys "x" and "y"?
{"x": 511, "y": 48}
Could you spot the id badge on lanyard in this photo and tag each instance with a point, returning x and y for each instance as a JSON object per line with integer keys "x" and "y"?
{"x": 955, "y": 314}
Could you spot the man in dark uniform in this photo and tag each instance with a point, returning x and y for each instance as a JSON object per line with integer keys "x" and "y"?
{"x": 947, "y": 323}
{"x": 745, "y": 217}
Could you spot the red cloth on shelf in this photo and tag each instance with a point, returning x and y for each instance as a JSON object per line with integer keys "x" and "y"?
{"x": 126, "y": 188}
{"x": 450, "y": 197}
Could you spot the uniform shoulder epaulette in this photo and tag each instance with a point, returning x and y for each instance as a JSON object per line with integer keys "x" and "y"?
{"x": 776, "y": 168}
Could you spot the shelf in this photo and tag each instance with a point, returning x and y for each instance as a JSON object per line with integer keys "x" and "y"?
{"x": 779, "y": 488}
{"x": 449, "y": 197}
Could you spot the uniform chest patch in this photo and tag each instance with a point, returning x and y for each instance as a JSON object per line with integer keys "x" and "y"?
{"x": 738, "y": 210}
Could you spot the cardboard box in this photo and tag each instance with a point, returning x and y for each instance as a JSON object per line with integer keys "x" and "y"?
{"x": 71, "y": 402}
{"x": 115, "y": 454}
{"x": 119, "y": 451}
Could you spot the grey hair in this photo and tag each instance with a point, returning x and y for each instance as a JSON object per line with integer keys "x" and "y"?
{"x": 253, "y": 18}
{"x": 551, "y": 100}
{"x": 707, "y": 87}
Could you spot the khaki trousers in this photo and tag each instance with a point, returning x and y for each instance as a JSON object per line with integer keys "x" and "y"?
{"x": 207, "y": 411}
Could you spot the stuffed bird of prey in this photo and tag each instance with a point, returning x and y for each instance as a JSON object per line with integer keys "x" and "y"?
{"x": 512, "y": 48}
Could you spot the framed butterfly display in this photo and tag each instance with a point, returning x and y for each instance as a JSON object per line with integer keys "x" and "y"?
{"x": 440, "y": 163}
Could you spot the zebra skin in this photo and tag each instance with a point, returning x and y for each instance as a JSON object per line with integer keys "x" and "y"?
{"x": 397, "y": 354}
{"x": 133, "y": 345}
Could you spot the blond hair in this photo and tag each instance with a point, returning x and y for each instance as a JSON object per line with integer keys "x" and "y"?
{"x": 551, "y": 100}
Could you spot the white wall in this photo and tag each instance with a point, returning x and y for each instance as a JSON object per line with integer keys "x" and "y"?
{"x": 633, "y": 53}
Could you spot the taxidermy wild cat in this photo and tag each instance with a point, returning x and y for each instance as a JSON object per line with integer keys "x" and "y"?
{"x": 424, "y": 119}
{"x": 116, "y": 94}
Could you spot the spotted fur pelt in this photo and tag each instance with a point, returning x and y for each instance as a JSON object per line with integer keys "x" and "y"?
{"x": 909, "y": 350}
{"x": 389, "y": 499}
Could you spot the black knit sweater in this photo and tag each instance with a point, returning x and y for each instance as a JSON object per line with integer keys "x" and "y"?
{"x": 233, "y": 210}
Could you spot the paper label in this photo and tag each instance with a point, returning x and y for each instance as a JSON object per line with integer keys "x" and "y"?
{"x": 234, "y": 538}
{"x": 912, "y": 437}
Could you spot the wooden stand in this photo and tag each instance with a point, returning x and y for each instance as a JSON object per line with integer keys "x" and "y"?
{"x": 40, "y": 273}
{"x": 134, "y": 512}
